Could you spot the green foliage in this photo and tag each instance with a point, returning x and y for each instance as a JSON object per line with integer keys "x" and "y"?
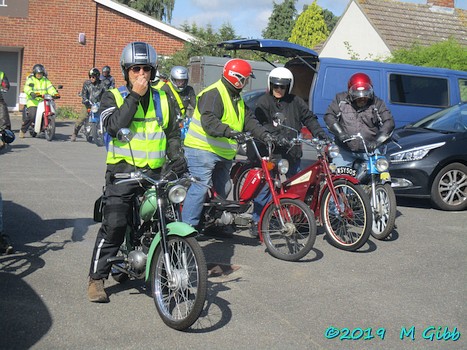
{"x": 310, "y": 28}
{"x": 330, "y": 19}
{"x": 446, "y": 54}
{"x": 66, "y": 113}
{"x": 281, "y": 21}
{"x": 159, "y": 9}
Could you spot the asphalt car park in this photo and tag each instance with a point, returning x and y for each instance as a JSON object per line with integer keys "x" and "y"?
{"x": 393, "y": 294}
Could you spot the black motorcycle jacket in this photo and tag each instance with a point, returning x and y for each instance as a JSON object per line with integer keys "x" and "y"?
{"x": 370, "y": 121}
{"x": 92, "y": 93}
{"x": 211, "y": 109}
{"x": 187, "y": 97}
{"x": 296, "y": 114}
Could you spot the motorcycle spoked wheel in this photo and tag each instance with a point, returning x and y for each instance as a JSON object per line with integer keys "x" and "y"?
{"x": 181, "y": 301}
{"x": 384, "y": 213}
{"x": 49, "y": 131}
{"x": 296, "y": 238}
{"x": 351, "y": 229}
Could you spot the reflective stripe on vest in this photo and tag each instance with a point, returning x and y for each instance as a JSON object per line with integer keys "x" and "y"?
{"x": 222, "y": 146}
{"x": 148, "y": 143}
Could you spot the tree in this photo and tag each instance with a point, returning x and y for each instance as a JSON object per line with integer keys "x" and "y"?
{"x": 445, "y": 54}
{"x": 159, "y": 9}
{"x": 330, "y": 19}
{"x": 310, "y": 28}
{"x": 281, "y": 21}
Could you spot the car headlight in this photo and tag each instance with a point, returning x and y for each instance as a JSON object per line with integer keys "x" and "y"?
{"x": 333, "y": 151}
{"x": 177, "y": 194}
{"x": 283, "y": 166}
{"x": 382, "y": 164}
{"x": 416, "y": 153}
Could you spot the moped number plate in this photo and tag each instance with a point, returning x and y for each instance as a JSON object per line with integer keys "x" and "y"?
{"x": 385, "y": 176}
{"x": 346, "y": 170}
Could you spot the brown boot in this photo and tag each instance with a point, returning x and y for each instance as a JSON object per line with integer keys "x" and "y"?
{"x": 73, "y": 137}
{"x": 21, "y": 134}
{"x": 96, "y": 292}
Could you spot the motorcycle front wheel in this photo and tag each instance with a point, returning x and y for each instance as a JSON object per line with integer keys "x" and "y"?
{"x": 49, "y": 131}
{"x": 350, "y": 228}
{"x": 179, "y": 300}
{"x": 384, "y": 211}
{"x": 289, "y": 231}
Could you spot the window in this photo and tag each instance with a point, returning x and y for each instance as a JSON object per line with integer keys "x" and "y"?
{"x": 417, "y": 90}
{"x": 3, "y": 3}
{"x": 463, "y": 89}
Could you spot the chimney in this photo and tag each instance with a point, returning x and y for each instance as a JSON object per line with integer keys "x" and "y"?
{"x": 441, "y": 3}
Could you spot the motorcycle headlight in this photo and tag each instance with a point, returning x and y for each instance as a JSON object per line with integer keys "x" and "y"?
{"x": 382, "y": 164}
{"x": 333, "y": 151}
{"x": 177, "y": 194}
{"x": 94, "y": 108}
{"x": 283, "y": 166}
{"x": 414, "y": 153}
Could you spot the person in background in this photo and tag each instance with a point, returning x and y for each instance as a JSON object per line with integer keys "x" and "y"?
{"x": 219, "y": 123}
{"x": 106, "y": 78}
{"x": 358, "y": 110}
{"x": 150, "y": 115}
{"x": 37, "y": 84}
{"x": 91, "y": 93}
{"x": 178, "y": 89}
{"x": 5, "y": 123}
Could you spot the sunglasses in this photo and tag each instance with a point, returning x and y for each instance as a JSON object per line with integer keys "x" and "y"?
{"x": 282, "y": 87}
{"x": 136, "y": 69}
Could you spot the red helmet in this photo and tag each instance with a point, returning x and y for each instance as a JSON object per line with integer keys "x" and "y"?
{"x": 359, "y": 86}
{"x": 237, "y": 72}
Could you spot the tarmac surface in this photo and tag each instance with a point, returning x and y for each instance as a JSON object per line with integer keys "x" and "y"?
{"x": 405, "y": 293}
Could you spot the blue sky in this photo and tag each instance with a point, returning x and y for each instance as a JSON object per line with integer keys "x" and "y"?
{"x": 249, "y": 17}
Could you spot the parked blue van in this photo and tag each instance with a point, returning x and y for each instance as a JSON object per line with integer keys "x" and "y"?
{"x": 410, "y": 92}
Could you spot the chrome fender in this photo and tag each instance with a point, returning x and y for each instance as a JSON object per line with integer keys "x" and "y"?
{"x": 175, "y": 229}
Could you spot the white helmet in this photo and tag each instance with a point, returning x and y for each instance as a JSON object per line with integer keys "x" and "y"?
{"x": 280, "y": 76}
{"x": 181, "y": 74}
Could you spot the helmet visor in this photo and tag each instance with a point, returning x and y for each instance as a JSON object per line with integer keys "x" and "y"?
{"x": 361, "y": 91}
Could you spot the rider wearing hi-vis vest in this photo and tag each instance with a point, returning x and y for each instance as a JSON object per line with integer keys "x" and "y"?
{"x": 222, "y": 146}
{"x": 219, "y": 123}
{"x": 151, "y": 117}
{"x": 149, "y": 143}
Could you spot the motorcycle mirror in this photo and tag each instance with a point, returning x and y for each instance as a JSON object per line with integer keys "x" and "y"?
{"x": 124, "y": 135}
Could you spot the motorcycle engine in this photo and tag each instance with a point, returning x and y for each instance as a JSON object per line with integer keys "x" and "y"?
{"x": 137, "y": 261}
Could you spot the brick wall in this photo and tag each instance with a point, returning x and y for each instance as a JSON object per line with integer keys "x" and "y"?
{"x": 50, "y": 36}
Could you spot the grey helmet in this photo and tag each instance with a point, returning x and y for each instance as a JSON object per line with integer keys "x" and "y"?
{"x": 138, "y": 53}
{"x": 179, "y": 73}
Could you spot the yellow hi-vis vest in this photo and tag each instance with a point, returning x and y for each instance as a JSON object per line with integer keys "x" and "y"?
{"x": 149, "y": 143}
{"x": 222, "y": 146}
{"x": 41, "y": 86}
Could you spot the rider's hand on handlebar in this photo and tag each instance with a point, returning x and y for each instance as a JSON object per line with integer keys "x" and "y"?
{"x": 34, "y": 95}
{"x": 238, "y": 136}
{"x": 178, "y": 165}
{"x": 268, "y": 138}
{"x": 323, "y": 136}
{"x": 283, "y": 142}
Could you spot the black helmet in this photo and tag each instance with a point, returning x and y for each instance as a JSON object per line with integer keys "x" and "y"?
{"x": 138, "y": 53}
{"x": 94, "y": 72}
{"x": 106, "y": 69}
{"x": 38, "y": 68}
{"x": 7, "y": 136}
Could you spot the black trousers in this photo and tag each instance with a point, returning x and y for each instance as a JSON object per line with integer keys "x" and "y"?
{"x": 116, "y": 216}
{"x": 29, "y": 116}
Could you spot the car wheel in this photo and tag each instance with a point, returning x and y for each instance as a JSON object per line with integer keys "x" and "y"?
{"x": 449, "y": 188}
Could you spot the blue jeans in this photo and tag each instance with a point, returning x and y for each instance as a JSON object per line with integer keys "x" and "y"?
{"x": 211, "y": 170}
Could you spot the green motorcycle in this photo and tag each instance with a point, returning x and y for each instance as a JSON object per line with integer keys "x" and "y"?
{"x": 161, "y": 249}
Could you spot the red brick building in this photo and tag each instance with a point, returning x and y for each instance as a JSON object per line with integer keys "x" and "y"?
{"x": 69, "y": 37}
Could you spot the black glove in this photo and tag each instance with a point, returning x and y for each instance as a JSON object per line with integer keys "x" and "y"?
{"x": 268, "y": 138}
{"x": 238, "y": 136}
{"x": 178, "y": 165}
{"x": 283, "y": 142}
{"x": 340, "y": 133}
{"x": 33, "y": 95}
{"x": 371, "y": 146}
{"x": 323, "y": 136}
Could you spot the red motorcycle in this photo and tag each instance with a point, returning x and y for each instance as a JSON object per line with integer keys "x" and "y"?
{"x": 338, "y": 202}
{"x": 287, "y": 225}
{"x": 45, "y": 116}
